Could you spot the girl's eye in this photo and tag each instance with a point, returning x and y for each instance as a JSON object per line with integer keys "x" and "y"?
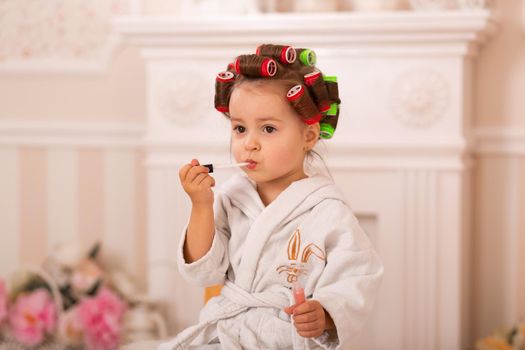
{"x": 239, "y": 129}
{"x": 269, "y": 129}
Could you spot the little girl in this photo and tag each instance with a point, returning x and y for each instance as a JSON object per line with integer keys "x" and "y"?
{"x": 275, "y": 230}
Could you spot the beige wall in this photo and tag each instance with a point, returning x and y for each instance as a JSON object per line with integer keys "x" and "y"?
{"x": 501, "y": 70}
{"x": 499, "y": 233}
{"x": 118, "y": 95}
{"x": 115, "y": 95}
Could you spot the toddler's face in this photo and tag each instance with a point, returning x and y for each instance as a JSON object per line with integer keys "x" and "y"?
{"x": 267, "y": 131}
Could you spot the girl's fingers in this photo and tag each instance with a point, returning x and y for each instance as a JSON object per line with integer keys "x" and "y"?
{"x": 298, "y": 308}
{"x": 307, "y": 306}
{"x": 289, "y": 309}
{"x": 196, "y": 170}
{"x": 306, "y": 317}
{"x": 308, "y": 327}
{"x": 208, "y": 181}
{"x": 183, "y": 172}
{"x": 199, "y": 179}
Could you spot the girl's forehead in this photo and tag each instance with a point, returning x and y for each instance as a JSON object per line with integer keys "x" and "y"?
{"x": 259, "y": 99}
{"x": 262, "y": 89}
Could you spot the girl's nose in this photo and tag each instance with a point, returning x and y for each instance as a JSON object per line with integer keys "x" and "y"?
{"x": 252, "y": 144}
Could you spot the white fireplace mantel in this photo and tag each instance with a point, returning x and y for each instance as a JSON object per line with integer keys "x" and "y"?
{"x": 372, "y": 30}
{"x": 401, "y": 152}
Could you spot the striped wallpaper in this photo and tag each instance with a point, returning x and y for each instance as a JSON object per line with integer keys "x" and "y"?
{"x": 52, "y": 194}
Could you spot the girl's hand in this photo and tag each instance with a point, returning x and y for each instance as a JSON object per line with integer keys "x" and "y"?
{"x": 310, "y": 318}
{"x": 197, "y": 183}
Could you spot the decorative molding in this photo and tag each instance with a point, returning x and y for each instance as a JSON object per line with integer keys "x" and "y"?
{"x": 96, "y": 66}
{"x": 419, "y": 97}
{"x": 103, "y": 134}
{"x": 500, "y": 141}
{"x": 474, "y": 4}
{"x": 433, "y": 5}
{"x": 448, "y": 4}
{"x": 421, "y": 258}
{"x": 63, "y": 36}
{"x": 181, "y": 98}
{"x": 215, "y": 8}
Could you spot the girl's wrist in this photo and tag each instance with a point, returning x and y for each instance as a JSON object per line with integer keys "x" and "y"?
{"x": 204, "y": 205}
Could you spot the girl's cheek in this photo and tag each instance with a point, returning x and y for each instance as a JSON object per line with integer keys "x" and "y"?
{"x": 236, "y": 151}
{"x": 283, "y": 156}
{"x": 234, "y": 145}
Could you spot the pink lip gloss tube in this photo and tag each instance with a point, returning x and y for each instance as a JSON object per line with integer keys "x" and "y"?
{"x": 298, "y": 293}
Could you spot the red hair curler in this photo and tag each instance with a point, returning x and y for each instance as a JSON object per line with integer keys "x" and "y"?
{"x": 225, "y": 77}
{"x": 285, "y": 54}
{"x": 303, "y": 104}
{"x": 255, "y": 66}
{"x": 318, "y": 87}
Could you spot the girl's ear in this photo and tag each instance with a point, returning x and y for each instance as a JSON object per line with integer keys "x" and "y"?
{"x": 311, "y": 135}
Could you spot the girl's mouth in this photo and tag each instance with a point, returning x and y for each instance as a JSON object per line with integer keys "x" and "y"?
{"x": 251, "y": 165}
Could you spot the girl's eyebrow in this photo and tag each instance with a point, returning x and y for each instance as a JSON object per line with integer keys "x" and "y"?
{"x": 258, "y": 119}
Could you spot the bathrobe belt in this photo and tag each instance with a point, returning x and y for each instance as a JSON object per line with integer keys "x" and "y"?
{"x": 237, "y": 300}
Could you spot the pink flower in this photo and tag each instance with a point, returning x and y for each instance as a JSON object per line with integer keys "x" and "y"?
{"x": 101, "y": 318}
{"x": 3, "y": 301}
{"x": 32, "y": 317}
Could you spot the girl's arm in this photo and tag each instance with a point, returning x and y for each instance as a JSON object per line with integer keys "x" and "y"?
{"x": 201, "y": 228}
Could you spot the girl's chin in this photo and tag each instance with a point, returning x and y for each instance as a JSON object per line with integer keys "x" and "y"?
{"x": 255, "y": 176}
{"x": 261, "y": 178}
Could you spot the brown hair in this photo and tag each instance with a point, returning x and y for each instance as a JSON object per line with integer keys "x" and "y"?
{"x": 313, "y": 96}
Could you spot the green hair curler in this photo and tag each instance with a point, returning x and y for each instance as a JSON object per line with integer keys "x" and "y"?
{"x": 330, "y": 78}
{"x": 307, "y": 57}
{"x": 333, "y": 109}
{"x": 327, "y": 131}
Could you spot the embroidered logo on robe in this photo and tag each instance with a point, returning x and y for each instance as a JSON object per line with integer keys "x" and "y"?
{"x": 298, "y": 258}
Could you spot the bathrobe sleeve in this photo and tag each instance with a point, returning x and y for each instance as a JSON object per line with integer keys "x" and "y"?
{"x": 211, "y": 268}
{"x": 349, "y": 282}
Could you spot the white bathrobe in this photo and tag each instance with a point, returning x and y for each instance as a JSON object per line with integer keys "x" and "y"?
{"x": 308, "y": 233}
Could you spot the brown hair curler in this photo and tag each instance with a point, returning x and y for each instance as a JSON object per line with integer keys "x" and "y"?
{"x": 319, "y": 90}
{"x": 223, "y": 87}
{"x": 255, "y": 66}
{"x": 332, "y": 88}
{"x": 303, "y": 104}
{"x": 285, "y": 54}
